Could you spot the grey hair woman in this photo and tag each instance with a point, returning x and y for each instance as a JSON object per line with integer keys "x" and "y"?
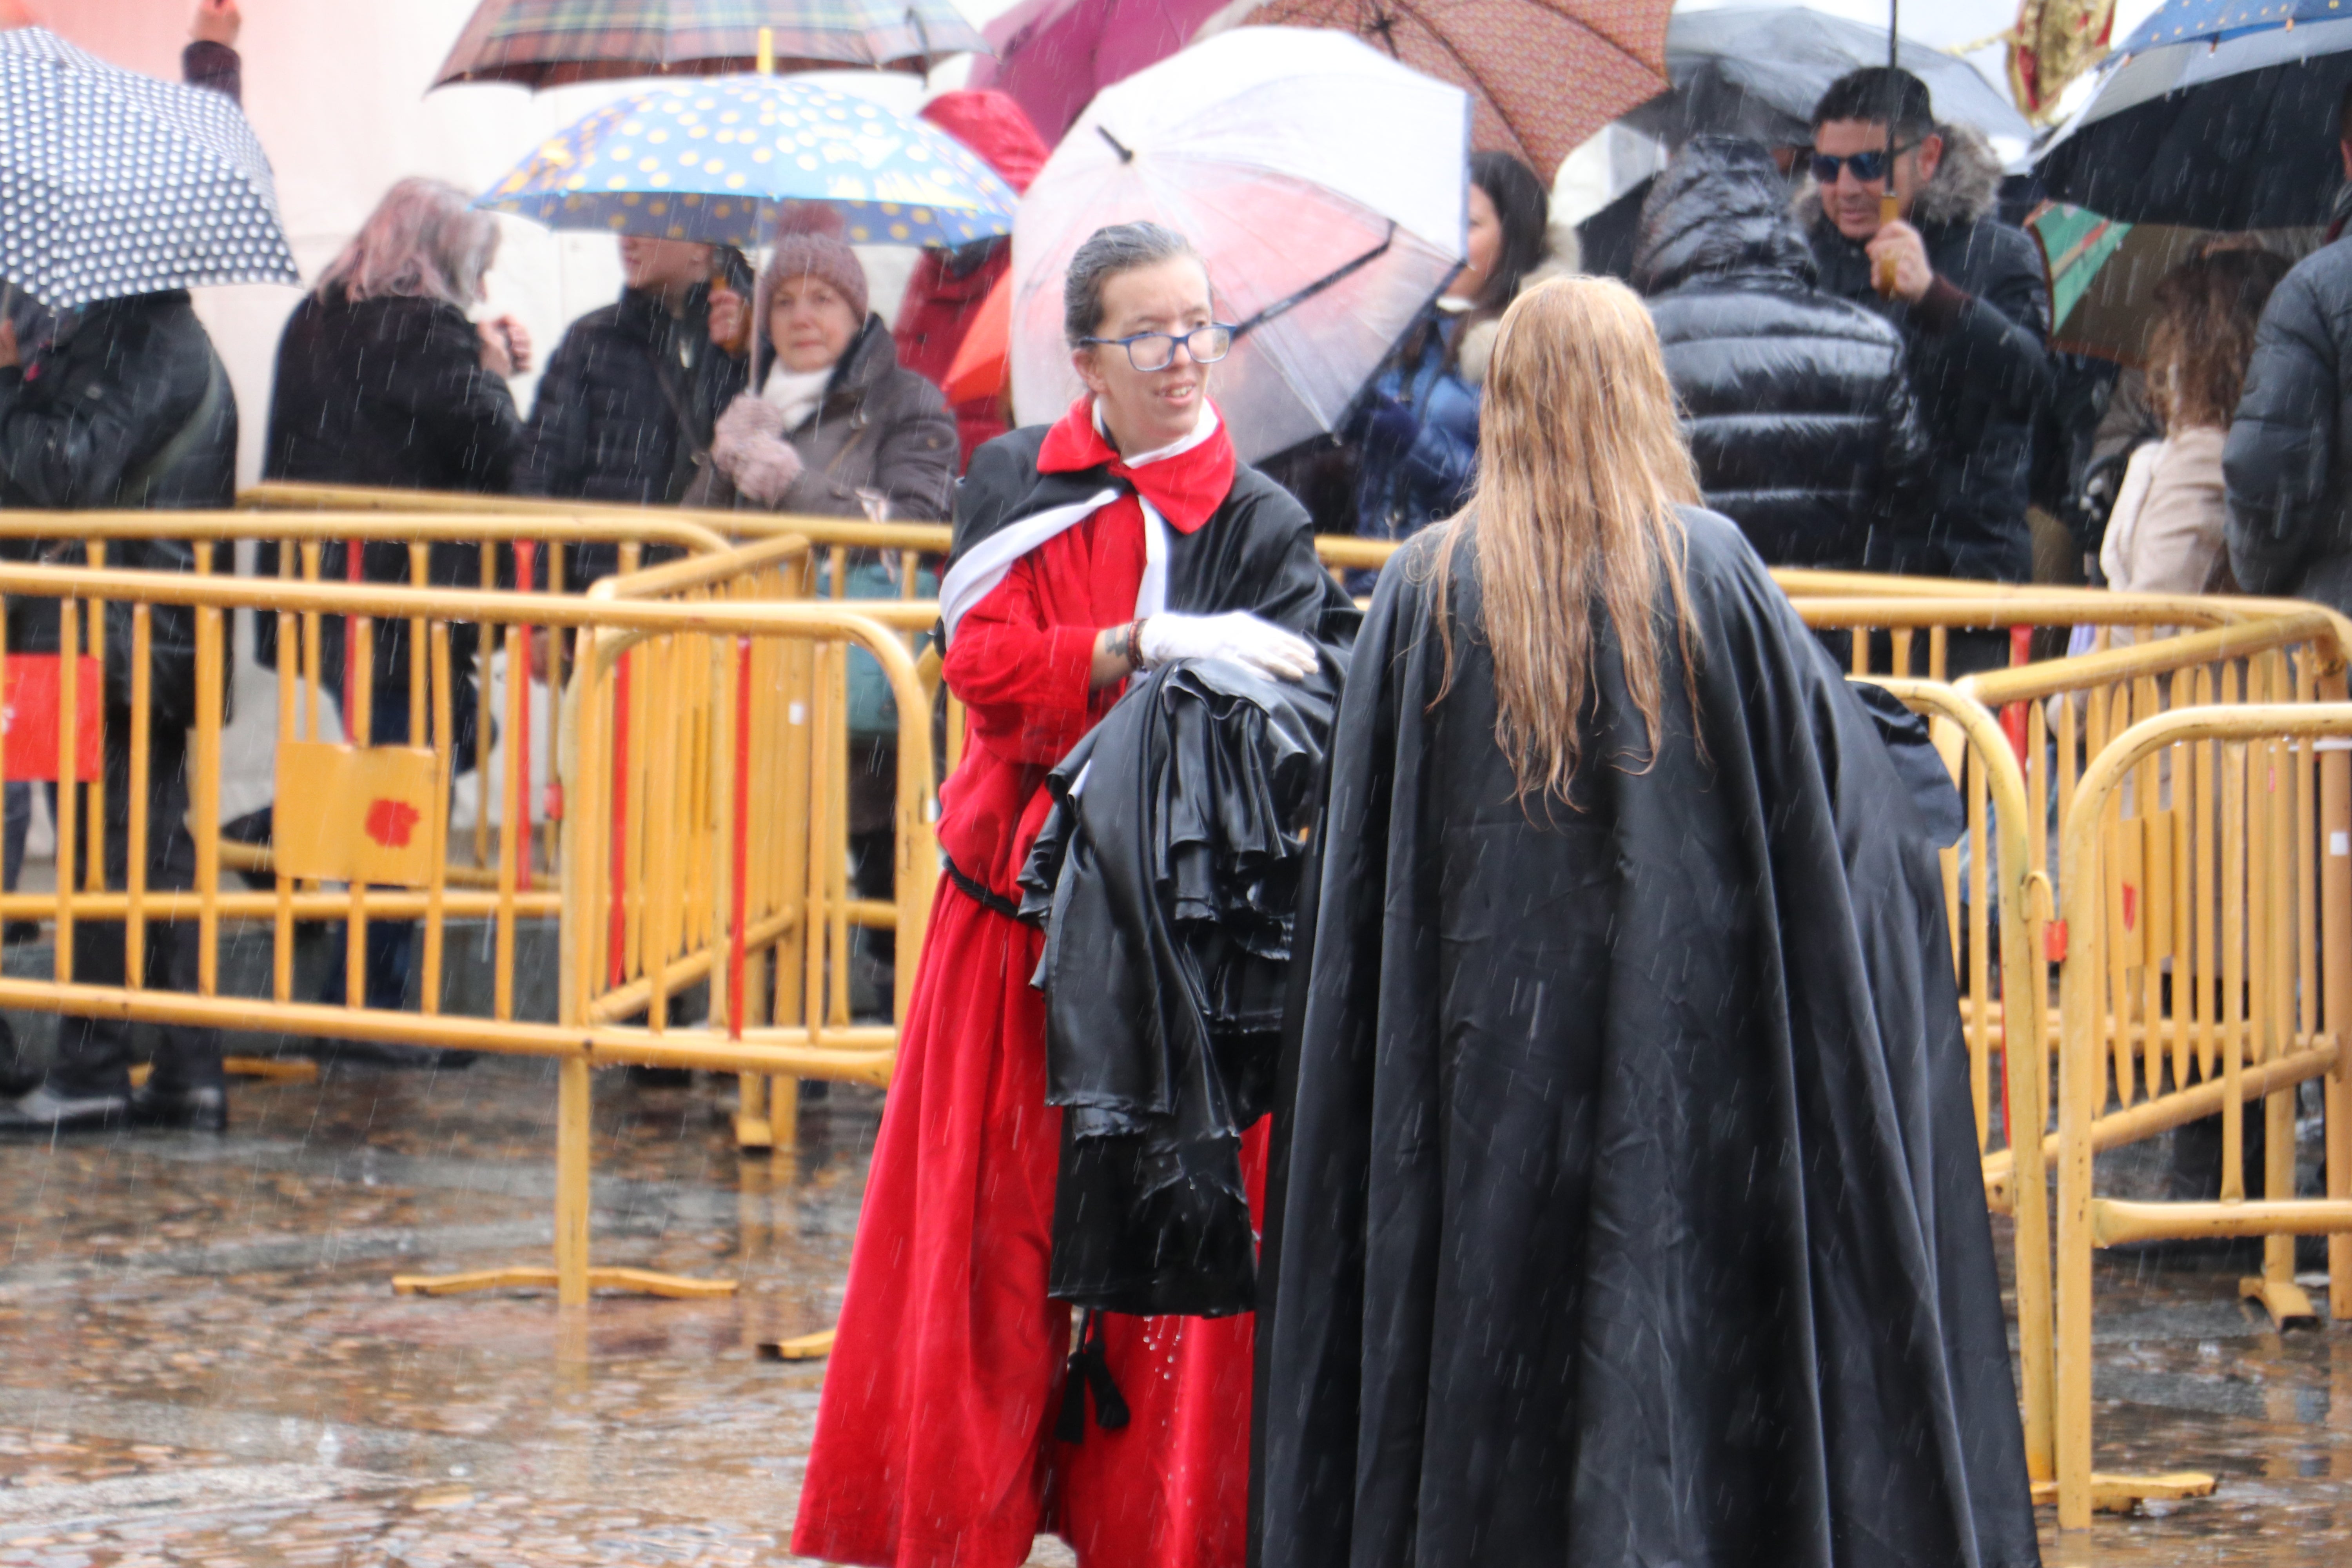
{"x": 383, "y": 381}
{"x": 424, "y": 241}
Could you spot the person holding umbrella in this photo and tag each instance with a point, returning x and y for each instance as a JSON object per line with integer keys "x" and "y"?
{"x": 1968, "y": 296}
{"x": 1123, "y": 536}
{"x": 627, "y": 405}
{"x": 836, "y": 427}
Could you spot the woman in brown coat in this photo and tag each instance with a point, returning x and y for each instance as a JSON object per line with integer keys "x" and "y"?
{"x": 834, "y": 426}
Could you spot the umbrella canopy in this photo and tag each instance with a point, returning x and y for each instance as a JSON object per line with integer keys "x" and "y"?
{"x": 2184, "y": 21}
{"x": 984, "y": 358}
{"x": 2102, "y": 274}
{"x": 1542, "y": 75}
{"x": 114, "y": 184}
{"x": 1054, "y": 55}
{"x": 1324, "y": 184}
{"x": 2234, "y": 134}
{"x": 712, "y": 160}
{"x": 1758, "y": 72}
{"x": 547, "y": 43}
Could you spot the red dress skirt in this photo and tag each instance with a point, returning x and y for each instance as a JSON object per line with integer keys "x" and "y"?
{"x": 935, "y": 1443}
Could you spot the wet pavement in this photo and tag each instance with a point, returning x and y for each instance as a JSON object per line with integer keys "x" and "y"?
{"x": 202, "y": 1361}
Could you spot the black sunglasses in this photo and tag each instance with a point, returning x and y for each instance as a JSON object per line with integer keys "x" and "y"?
{"x": 1867, "y": 166}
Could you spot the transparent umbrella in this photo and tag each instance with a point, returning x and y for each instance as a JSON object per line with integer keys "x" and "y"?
{"x": 1323, "y": 183}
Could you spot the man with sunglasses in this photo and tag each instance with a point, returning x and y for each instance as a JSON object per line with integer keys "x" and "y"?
{"x": 1968, "y": 299}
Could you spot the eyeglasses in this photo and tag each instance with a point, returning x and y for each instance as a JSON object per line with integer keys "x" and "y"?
{"x": 1149, "y": 351}
{"x": 1867, "y": 166}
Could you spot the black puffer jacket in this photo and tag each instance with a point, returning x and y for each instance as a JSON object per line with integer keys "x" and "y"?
{"x": 1800, "y": 417}
{"x": 625, "y": 410}
{"x": 128, "y": 406}
{"x": 1979, "y": 367}
{"x": 2288, "y": 465}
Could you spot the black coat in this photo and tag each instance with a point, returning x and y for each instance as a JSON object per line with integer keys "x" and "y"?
{"x": 1801, "y": 416}
{"x": 1630, "y": 1210}
{"x": 130, "y": 407}
{"x": 1981, "y": 371}
{"x": 388, "y": 392}
{"x": 2289, "y": 461}
{"x": 625, "y": 413}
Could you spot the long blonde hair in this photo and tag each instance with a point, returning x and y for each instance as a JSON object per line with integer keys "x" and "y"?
{"x": 1582, "y": 462}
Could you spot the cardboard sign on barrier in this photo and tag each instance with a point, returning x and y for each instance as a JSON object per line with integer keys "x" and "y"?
{"x": 357, "y": 814}
{"x": 29, "y": 717}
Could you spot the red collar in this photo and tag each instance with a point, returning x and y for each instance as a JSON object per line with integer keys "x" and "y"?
{"x": 1186, "y": 489}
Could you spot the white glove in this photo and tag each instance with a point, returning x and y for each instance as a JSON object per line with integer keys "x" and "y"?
{"x": 1236, "y": 635}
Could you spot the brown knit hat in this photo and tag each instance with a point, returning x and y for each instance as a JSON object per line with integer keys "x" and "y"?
{"x": 808, "y": 244}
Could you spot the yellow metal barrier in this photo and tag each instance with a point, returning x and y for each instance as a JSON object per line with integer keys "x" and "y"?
{"x": 725, "y": 654}
{"x": 2223, "y": 988}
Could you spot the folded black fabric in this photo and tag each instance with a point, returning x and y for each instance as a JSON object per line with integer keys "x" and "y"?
{"x": 1166, "y": 879}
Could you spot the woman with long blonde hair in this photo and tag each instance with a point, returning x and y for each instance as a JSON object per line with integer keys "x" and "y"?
{"x": 1627, "y": 1206}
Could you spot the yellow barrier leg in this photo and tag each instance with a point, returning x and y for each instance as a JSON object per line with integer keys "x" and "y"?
{"x": 2335, "y": 994}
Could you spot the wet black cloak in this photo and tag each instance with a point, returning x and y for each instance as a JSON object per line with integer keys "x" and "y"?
{"x": 1626, "y": 1207}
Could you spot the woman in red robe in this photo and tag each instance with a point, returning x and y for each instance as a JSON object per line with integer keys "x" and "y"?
{"x": 1124, "y": 536}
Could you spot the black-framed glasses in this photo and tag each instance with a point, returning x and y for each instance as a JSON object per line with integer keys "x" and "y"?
{"x": 1866, "y": 166}
{"x": 1149, "y": 351}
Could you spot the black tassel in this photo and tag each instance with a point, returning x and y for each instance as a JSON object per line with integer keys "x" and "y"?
{"x": 1089, "y": 1368}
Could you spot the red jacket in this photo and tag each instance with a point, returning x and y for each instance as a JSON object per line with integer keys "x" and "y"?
{"x": 939, "y": 305}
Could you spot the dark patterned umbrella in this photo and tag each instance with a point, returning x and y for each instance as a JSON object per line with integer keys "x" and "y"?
{"x": 547, "y": 43}
{"x": 114, "y": 184}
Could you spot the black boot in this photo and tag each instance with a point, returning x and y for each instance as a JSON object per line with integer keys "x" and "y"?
{"x": 201, "y": 1109}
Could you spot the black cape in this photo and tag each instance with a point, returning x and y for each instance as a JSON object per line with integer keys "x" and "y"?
{"x": 1631, "y": 1209}
{"x": 1167, "y": 881}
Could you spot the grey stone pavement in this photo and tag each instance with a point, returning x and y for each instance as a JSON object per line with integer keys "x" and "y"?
{"x": 202, "y": 1361}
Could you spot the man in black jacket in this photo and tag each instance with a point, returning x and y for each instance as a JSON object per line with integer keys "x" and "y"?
{"x": 2288, "y": 465}
{"x": 1969, "y": 300}
{"x": 627, "y": 407}
{"x": 1801, "y": 417}
{"x": 126, "y": 406}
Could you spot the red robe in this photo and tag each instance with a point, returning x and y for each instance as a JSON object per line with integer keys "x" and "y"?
{"x": 934, "y": 1439}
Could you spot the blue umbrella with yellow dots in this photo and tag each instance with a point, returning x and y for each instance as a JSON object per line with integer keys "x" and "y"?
{"x": 712, "y": 160}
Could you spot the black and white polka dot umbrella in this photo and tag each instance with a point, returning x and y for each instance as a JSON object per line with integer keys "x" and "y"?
{"x": 114, "y": 184}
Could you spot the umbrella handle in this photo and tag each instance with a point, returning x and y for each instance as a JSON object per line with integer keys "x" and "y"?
{"x": 1883, "y": 272}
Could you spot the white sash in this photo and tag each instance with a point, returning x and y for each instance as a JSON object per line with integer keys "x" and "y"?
{"x": 987, "y": 563}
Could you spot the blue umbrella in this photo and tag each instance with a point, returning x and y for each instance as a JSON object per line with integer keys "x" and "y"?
{"x": 113, "y": 184}
{"x": 713, "y": 160}
{"x": 2185, "y": 21}
{"x": 2234, "y": 130}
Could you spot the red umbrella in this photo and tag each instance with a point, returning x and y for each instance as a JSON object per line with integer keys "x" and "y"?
{"x": 984, "y": 362}
{"x": 1054, "y": 55}
{"x": 1542, "y": 75}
